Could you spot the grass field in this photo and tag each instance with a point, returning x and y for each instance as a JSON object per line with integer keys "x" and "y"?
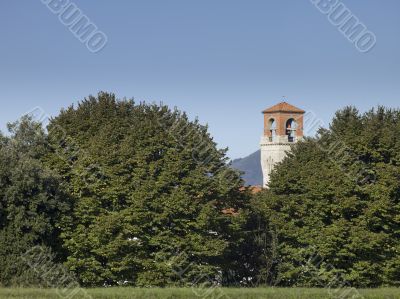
{"x": 273, "y": 293}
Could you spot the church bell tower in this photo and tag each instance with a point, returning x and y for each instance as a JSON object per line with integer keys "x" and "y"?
{"x": 283, "y": 126}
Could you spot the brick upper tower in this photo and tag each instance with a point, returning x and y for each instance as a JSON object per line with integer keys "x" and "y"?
{"x": 283, "y": 126}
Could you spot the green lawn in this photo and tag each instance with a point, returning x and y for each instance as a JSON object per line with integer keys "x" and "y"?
{"x": 273, "y": 293}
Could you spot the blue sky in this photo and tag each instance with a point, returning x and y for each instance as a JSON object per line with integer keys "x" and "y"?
{"x": 223, "y": 61}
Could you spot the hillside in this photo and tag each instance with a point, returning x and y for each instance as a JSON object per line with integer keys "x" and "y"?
{"x": 251, "y": 167}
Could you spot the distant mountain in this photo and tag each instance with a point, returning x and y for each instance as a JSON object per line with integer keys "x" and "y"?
{"x": 251, "y": 166}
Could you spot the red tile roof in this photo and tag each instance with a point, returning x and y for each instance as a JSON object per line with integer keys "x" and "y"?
{"x": 230, "y": 211}
{"x": 253, "y": 189}
{"x": 283, "y": 107}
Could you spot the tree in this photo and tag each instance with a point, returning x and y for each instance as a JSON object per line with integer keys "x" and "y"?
{"x": 31, "y": 204}
{"x": 334, "y": 204}
{"x": 148, "y": 187}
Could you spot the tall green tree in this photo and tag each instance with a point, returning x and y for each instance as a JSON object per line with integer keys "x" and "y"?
{"x": 31, "y": 203}
{"x": 334, "y": 202}
{"x": 148, "y": 187}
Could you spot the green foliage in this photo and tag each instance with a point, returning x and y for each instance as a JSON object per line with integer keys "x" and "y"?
{"x": 334, "y": 204}
{"x": 190, "y": 293}
{"x": 137, "y": 194}
{"x": 31, "y": 203}
{"x": 148, "y": 187}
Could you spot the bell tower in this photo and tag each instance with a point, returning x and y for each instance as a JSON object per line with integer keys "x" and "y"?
{"x": 283, "y": 126}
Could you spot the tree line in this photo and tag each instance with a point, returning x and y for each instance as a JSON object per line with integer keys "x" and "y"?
{"x": 126, "y": 193}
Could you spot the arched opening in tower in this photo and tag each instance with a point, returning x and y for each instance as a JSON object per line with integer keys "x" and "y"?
{"x": 272, "y": 129}
{"x": 291, "y": 126}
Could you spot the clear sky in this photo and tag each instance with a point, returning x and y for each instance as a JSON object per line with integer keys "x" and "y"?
{"x": 221, "y": 60}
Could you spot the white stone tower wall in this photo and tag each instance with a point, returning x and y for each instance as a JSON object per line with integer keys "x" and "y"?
{"x": 272, "y": 152}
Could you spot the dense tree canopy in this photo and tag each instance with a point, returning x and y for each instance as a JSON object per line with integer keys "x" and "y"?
{"x": 148, "y": 186}
{"x": 31, "y": 202}
{"x": 337, "y": 198}
{"x": 127, "y": 193}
